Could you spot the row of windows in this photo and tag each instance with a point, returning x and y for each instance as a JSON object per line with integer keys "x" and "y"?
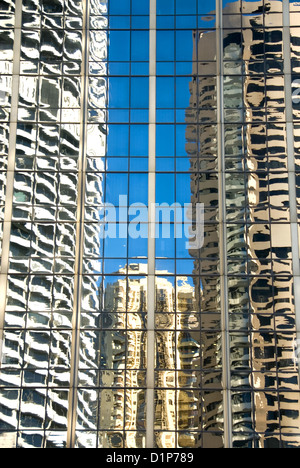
{"x": 199, "y": 69}
{"x": 233, "y": 164}
{"x": 52, "y": 93}
{"x": 66, "y": 116}
{"x": 134, "y": 7}
{"x": 261, "y": 325}
{"x": 48, "y": 353}
{"x": 191, "y": 322}
{"x": 119, "y": 291}
{"x": 39, "y": 262}
{"x": 260, "y": 292}
{"x": 236, "y": 163}
{"x": 100, "y": 22}
{"x": 180, "y": 379}
{"x": 111, "y": 116}
{"x": 66, "y": 45}
{"x": 138, "y": 115}
{"x": 201, "y": 21}
{"x": 51, "y": 140}
{"x": 280, "y": 268}
{"x": 109, "y": 220}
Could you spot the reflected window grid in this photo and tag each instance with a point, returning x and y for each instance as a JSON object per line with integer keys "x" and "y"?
{"x": 189, "y": 400}
{"x": 255, "y": 139}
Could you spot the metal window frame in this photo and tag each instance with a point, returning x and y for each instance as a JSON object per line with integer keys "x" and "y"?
{"x": 223, "y": 231}
{"x": 150, "y": 398}
{"x": 73, "y": 398}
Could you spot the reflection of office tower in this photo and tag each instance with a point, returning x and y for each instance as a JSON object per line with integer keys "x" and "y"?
{"x": 258, "y": 248}
{"x": 257, "y": 199}
{"x": 205, "y": 344}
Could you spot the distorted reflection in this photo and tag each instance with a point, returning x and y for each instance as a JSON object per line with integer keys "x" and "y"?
{"x": 259, "y": 243}
{"x": 257, "y": 206}
{"x": 245, "y": 264}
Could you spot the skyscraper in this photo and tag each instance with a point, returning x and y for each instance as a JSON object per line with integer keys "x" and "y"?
{"x": 119, "y": 327}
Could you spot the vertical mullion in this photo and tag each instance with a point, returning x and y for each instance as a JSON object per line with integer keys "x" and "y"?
{"x": 72, "y": 411}
{"x": 151, "y": 232}
{"x": 223, "y": 231}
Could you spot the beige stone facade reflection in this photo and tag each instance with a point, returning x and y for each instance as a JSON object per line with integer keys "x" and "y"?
{"x": 259, "y": 238}
{"x": 262, "y": 200}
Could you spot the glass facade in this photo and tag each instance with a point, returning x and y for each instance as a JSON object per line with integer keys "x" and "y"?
{"x": 127, "y": 320}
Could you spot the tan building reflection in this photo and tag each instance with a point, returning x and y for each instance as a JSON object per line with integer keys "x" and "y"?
{"x": 179, "y": 403}
{"x": 260, "y": 285}
{"x": 123, "y": 351}
{"x": 262, "y": 347}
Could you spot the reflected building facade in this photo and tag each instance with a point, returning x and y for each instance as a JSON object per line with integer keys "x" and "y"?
{"x": 259, "y": 213}
{"x": 115, "y": 340}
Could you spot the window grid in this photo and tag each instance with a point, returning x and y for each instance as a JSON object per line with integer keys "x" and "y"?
{"x": 259, "y": 224}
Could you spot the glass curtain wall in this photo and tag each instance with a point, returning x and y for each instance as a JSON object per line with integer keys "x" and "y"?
{"x": 76, "y": 76}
